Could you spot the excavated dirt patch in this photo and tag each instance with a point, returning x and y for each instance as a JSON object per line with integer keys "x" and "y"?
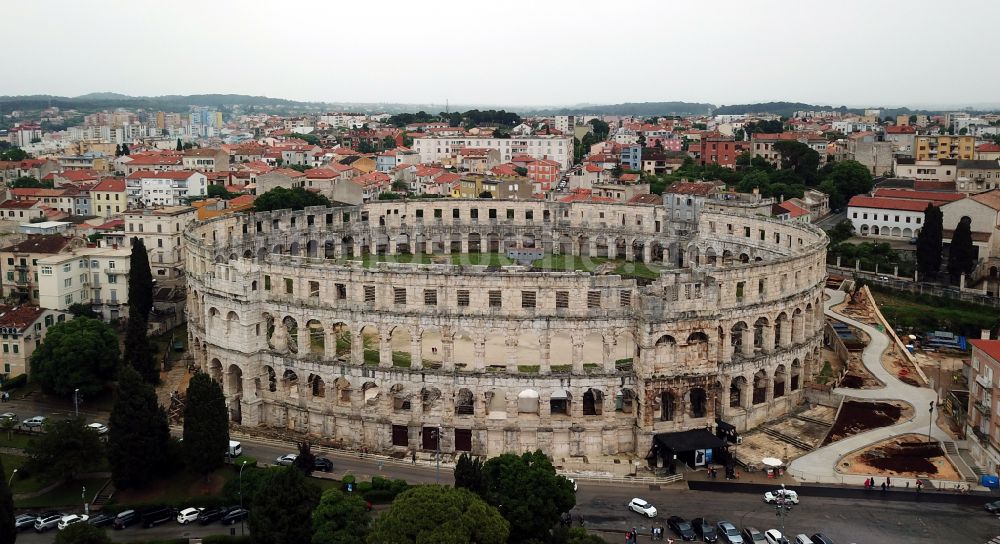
{"x": 858, "y": 416}
{"x": 908, "y": 456}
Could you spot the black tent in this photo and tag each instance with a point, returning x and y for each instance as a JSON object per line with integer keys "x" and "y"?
{"x": 694, "y": 447}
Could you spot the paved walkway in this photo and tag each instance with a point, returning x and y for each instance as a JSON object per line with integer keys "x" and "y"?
{"x": 818, "y": 465}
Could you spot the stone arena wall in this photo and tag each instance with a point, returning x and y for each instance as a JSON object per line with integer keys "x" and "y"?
{"x": 400, "y": 357}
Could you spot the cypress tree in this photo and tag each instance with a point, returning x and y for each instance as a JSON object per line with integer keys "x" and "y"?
{"x": 206, "y": 425}
{"x": 180, "y": 146}
{"x": 929, "y": 242}
{"x": 138, "y": 434}
{"x": 7, "y": 531}
{"x": 138, "y": 351}
{"x": 961, "y": 252}
{"x": 125, "y": 150}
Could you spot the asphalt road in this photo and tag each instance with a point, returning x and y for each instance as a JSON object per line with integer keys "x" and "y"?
{"x": 138, "y": 534}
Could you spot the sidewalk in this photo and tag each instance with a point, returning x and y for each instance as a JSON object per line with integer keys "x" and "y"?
{"x": 819, "y": 466}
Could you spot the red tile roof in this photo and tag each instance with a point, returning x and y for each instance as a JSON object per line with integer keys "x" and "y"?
{"x": 692, "y": 188}
{"x": 40, "y": 192}
{"x": 19, "y": 317}
{"x": 114, "y": 224}
{"x": 860, "y": 201}
{"x": 116, "y": 185}
{"x": 242, "y": 200}
{"x": 40, "y": 243}
{"x": 935, "y": 196}
{"x": 989, "y": 148}
{"x": 447, "y": 177}
{"x": 990, "y": 347}
{"x": 792, "y": 209}
{"x": 629, "y": 177}
{"x": 79, "y": 175}
{"x": 154, "y": 160}
{"x": 149, "y": 174}
{"x": 989, "y": 198}
{"x": 901, "y": 129}
{"x": 321, "y": 173}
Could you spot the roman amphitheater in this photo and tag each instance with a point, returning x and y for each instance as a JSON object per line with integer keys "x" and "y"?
{"x": 290, "y": 311}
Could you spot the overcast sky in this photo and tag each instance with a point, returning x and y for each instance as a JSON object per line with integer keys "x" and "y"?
{"x": 537, "y": 52}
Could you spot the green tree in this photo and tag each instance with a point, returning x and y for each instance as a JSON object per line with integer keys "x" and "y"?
{"x": 138, "y": 351}
{"x": 82, "y": 533}
{"x": 180, "y": 146}
{"x": 437, "y": 514}
{"x": 306, "y": 461}
{"x": 80, "y": 309}
{"x": 961, "y": 251}
{"x": 849, "y": 178}
{"x": 754, "y": 179}
{"x": 281, "y": 510}
{"x": 929, "y": 242}
{"x": 521, "y": 171}
{"x": 841, "y": 231}
{"x": 800, "y": 158}
{"x": 206, "y": 425}
{"x": 125, "y": 150}
{"x": 469, "y": 474}
{"x": 219, "y": 191}
{"x": 66, "y": 449}
{"x": 27, "y": 182}
{"x": 139, "y": 436}
{"x": 340, "y": 518}
{"x": 388, "y": 143}
{"x": 8, "y": 533}
{"x": 601, "y": 129}
{"x": 531, "y": 513}
{"x": 280, "y": 198}
{"x": 78, "y": 354}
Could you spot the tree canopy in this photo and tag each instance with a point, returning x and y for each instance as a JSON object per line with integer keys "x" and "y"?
{"x": 961, "y": 251}
{"x": 206, "y": 425}
{"x": 601, "y": 129}
{"x": 138, "y": 351}
{"x": 219, "y": 191}
{"x": 533, "y": 513}
{"x": 78, "y": 354}
{"x": 929, "y": 242}
{"x": 469, "y": 474}
{"x": 442, "y": 515}
{"x": 13, "y": 154}
{"x": 281, "y": 510}
{"x": 28, "y": 182}
{"x": 280, "y": 198}
{"x": 66, "y": 449}
{"x": 8, "y": 532}
{"x": 138, "y": 435}
{"x": 340, "y": 518}
{"x": 82, "y": 533}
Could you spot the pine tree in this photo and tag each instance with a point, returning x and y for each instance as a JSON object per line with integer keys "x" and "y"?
{"x": 8, "y": 533}
{"x": 138, "y": 351}
{"x": 180, "y": 146}
{"x": 206, "y": 425}
{"x": 138, "y": 435}
{"x": 961, "y": 252}
{"x": 125, "y": 150}
{"x": 306, "y": 461}
{"x": 281, "y": 510}
{"x": 929, "y": 242}
{"x": 118, "y": 150}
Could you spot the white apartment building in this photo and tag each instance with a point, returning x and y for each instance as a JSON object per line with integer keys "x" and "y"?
{"x": 565, "y": 123}
{"x": 160, "y": 230}
{"x": 147, "y": 188}
{"x": 926, "y": 170}
{"x": 97, "y": 276}
{"x": 555, "y": 148}
{"x": 886, "y": 217}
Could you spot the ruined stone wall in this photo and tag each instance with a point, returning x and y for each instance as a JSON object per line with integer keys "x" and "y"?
{"x": 303, "y": 337}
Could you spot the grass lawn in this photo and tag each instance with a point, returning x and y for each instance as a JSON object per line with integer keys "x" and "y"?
{"x": 928, "y": 313}
{"x": 569, "y": 262}
{"x": 67, "y": 494}
{"x": 487, "y": 259}
{"x": 17, "y": 440}
{"x": 20, "y": 483}
{"x": 181, "y": 488}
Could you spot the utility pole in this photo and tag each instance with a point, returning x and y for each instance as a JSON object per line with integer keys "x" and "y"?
{"x": 437, "y": 475}
{"x": 930, "y": 421}
{"x": 76, "y": 402}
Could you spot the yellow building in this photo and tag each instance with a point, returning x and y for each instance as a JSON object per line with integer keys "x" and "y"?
{"x": 929, "y": 148}
{"x": 108, "y": 198}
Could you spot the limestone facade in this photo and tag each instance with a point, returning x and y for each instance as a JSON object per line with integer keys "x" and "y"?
{"x": 510, "y": 358}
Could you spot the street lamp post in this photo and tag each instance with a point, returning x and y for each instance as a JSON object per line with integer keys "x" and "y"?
{"x": 930, "y": 421}
{"x": 76, "y": 402}
{"x": 243, "y": 465}
{"x": 11, "y": 477}
{"x": 437, "y": 474}
{"x": 86, "y": 506}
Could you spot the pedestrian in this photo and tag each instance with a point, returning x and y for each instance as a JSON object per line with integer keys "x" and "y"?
{"x": 888, "y": 483}
{"x": 866, "y": 484}
{"x": 883, "y": 487}
{"x": 414, "y": 457}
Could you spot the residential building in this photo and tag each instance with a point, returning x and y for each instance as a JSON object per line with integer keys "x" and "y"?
{"x": 372, "y": 184}
{"x": 985, "y": 152}
{"x": 388, "y": 160}
{"x": 983, "y": 210}
{"x": 902, "y": 138}
{"x": 762, "y": 145}
{"x": 109, "y": 198}
{"x": 22, "y": 329}
{"x": 789, "y": 210}
{"x": 684, "y": 200}
{"x": 71, "y": 200}
{"x": 281, "y": 177}
{"x": 169, "y": 188}
{"x": 556, "y": 148}
{"x": 544, "y": 173}
{"x": 631, "y": 157}
{"x": 479, "y": 160}
{"x": 161, "y": 231}
{"x": 24, "y": 134}
{"x": 96, "y": 276}
{"x": 564, "y": 123}
{"x": 21, "y": 211}
{"x": 18, "y": 263}
{"x": 620, "y": 192}
{"x": 156, "y": 162}
{"x": 886, "y": 217}
{"x": 876, "y": 156}
{"x": 978, "y": 175}
{"x": 205, "y": 159}
{"x": 931, "y": 147}
{"x": 925, "y": 170}
{"x": 718, "y": 149}
{"x": 983, "y": 421}
{"x": 509, "y": 188}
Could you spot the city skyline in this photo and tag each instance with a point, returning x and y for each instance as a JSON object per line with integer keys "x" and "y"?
{"x": 553, "y": 54}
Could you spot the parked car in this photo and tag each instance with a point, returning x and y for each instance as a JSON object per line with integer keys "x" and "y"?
{"x": 640, "y": 506}
{"x": 235, "y": 515}
{"x": 803, "y": 539}
{"x": 753, "y": 535}
{"x": 156, "y": 516}
{"x": 66, "y": 521}
{"x": 99, "y": 428}
{"x": 729, "y": 532}
{"x": 773, "y": 536}
{"x": 992, "y": 507}
{"x": 101, "y": 520}
{"x": 213, "y": 514}
{"x": 188, "y": 515}
{"x": 124, "y": 519}
{"x": 286, "y": 460}
{"x": 25, "y": 521}
{"x": 323, "y": 464}
{"x": 788, "y": 495}
{"x": 681, "y": 527}
{"x": 34, "y": 423}
{"x": 820, "y": 538}
{"x": 705, "y": 529}
{"x": 572, "y": 481}
{"x": 46, "y": 521}
{"x": 9, "y": 415}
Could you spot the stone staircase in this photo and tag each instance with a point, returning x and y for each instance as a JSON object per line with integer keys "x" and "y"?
{"x": 788, "y": 439}
{"x": 813, "y": 420}
{"x": 103, "y": 496}
{"x": 970, "y": 473}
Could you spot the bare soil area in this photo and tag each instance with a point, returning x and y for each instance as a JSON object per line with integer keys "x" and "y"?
{"x": 859, "y": 416}
{"x": 909, "y": 456}
{"x": 858, "y": 376}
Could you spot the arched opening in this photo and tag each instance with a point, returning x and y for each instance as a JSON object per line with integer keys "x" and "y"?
{"x": 430, "y": 398}
{"x": 343, "y": 388}
{"x": 656, "y": 252}
{"x": 560, "y": 351}
{"x": 465, "y": 403}
{"x": 292, "y": 328}
{"x": 215, "y": 370}
{"x": 796, "y": 375}
{"x": 317, "y": 337}
{"x": 736, "y": 333}
{"x": 780, "y": 329}
{"x": 370, "y": 393}
{"x": 758, "y": 333}
{"x": 272, "y": 381}
{"x": 527, "y": 402}
{"x": 727, "y": 257}
{"x": 342, "y": 338}
{"x": 431, "y": 347}
{"x": 492, "y": 242}
{"x": 744, "y": 258}
{"x": 403, "y": 244}
{"x": 496, "y": 405}
{"x": 400, "y": 340}
{"x": 666, "y": 349}
{"x": 779, "y": 381}
{"x": 760, "y": 387}
{"x": 559, "y": 402}
{"x": 737, "y": 386}
{"x": 347, "y": 243}
{"x": 637, "y": 250}
{"x": 601, "y": 246}
{"x": 312, "y": 248}
{"x": 625, "y": 401}
{"x": 668, "y": 405}
{"x": 464, "y": 349}
{"x": 317, "y": 387}
{"x": 711, "y": 257}
{"x": 291, "y": 381}
{"x": 400, "y": 398}
{"x": 234, "y": 387}
{"x": 370, "y": 340}
{"x": 329, "y": 249}
{"x": 475, "y": 243}
{"x": 626, "y": 349}
{"x": 697, "y": 402}
{"x": 697, "y": 345}
{"x": 593, "y": 402}
{"x": 293, "y": 249}
{"x": 565, "y": 245}
{"x": 583, "y": 242}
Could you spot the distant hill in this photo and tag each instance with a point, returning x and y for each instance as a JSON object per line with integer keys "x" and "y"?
{"x": 179, "y": 103}
{"x": 786, "y": 109}
{"x": 639, "y": 109}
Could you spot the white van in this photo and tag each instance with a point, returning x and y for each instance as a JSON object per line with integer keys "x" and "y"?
{"x": 235, "y": 449}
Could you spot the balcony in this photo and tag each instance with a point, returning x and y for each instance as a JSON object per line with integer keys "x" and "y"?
{"x": 983, "y": 409}
{"x": 984, "y": 382}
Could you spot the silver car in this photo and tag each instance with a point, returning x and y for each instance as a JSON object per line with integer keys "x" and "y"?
{"x": 34, "y": 423}
{"x": 729, "y": 533}
{"x": 47, "y": 521}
